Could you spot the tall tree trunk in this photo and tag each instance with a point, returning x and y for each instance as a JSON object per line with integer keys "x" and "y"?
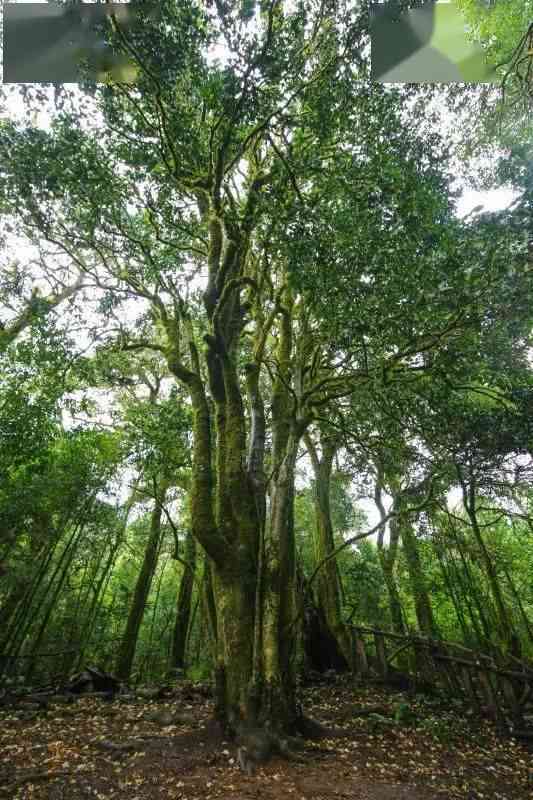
{"x": 280, "y": 632}
{"x": 209, "y": 605}
{"x": 395, "y": 604}
{"x": 151, "y": 660}
{"x": 328, "y": 581}
{"x": 423, "y": 609}
{"x": 250, "y": 552}
{"x": 387, "y": 559}
{"x": 183, "y": 610}
{"x": 279, "y": 636}
{"x": 128, "y": 644}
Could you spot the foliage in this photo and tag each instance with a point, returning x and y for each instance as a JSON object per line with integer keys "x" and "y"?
{"x": 156, "y": 435}
{"x": 499, "y": 26}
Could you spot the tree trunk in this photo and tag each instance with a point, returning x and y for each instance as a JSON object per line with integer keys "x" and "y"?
{"x": 328, "y": 587}
{"x": 151, "y": 661}
{"x": 395, "y": 604}
{"x": 387, "y": 559}
{"x": 209, "y": 606}
{"x": 280, "y": 606}
{"x": 128, "y": 644}
{"x": 250, "y": 551}
{"x": 423, "y": 609}
{"x": 183, "y": 611}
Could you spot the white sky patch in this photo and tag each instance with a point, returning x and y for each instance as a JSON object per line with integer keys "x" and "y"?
{"x": 492, "y": 200}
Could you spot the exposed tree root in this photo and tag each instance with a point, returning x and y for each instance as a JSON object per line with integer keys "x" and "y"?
{"x": 311, "y": 729}
{"x": 258, "y": 745}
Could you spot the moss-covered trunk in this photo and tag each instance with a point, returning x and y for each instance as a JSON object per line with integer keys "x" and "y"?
{"x": 387, "y": 559}
{"x": 282, "y": 622}
{"x": 423, "y": 610}
{"x": 280, "y": 607}
{"x": 234, "y": 586}
{"x": 250, "y": 551}
{"x": 393, "y": 595}
{"x": 208, "y": 606}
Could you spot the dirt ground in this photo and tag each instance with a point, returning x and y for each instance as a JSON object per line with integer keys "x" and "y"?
{"x": 388, "y": 746}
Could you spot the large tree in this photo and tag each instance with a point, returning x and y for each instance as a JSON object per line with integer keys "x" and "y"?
{"x": 220, "y": 195}
{"x": 194, "y": 156}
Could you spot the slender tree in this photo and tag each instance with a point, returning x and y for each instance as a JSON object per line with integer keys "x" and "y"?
{"x": 183, "y": 607}
{"x": 328, "y": 587}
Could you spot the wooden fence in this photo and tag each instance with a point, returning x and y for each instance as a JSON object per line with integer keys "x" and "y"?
{"x": 501, "y": 684}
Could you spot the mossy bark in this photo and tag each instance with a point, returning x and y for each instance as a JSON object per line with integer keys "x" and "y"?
{"x": 388, "y": 559}
{"x": 250, "y": 551}
{"x": 234, "y": 595}
{"x": 279, "y": 633}
{"x": 395, "y": 604}
{"x": 208, "y": 602}
{"x": 423, "y": 609}
{"x": 224, "y": 522}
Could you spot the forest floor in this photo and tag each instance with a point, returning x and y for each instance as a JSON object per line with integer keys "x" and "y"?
{"x": 97, "y": 749}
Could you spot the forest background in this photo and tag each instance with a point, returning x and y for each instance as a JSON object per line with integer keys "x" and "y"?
{"x": 248, "y": 260}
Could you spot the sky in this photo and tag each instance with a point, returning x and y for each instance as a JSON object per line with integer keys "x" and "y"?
{"x": 493, "y": 200}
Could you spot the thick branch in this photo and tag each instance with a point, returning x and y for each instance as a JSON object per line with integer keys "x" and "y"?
{"x": 36, "y": 307}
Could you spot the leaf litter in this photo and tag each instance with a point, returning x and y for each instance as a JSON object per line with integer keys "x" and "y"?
{"x": 388, "y": 745}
